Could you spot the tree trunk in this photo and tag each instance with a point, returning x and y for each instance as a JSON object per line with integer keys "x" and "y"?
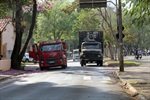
{"x": 111, "y": 50}
{"x": 31, "y": 28}
{"x": 15, "y": 59}
{"x": 17, "y": 54}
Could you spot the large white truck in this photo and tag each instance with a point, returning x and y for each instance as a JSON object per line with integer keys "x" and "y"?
{"x": 91, "y": 47}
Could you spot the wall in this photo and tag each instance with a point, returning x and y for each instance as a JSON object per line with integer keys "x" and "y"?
{"x": 8, "y": 38}
{"x": 5, "y": 64}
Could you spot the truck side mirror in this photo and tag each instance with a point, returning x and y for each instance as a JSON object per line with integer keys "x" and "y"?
{"x": 78, "y": 46}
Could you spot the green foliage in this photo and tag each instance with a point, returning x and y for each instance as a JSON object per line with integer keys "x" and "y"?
{"x": 8, "y": 5}
{"x": 54, "y": 24}
{"x": 4, "y": 8}
{"x": 135, "y": 37}
{"x": 139, "y": 9}
{"x": 70, "y": 7}
{"x": 109, "y": 26}
{"x": 87, "y": 20}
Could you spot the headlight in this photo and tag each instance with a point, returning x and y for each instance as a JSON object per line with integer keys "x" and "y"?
{"x": 83, "y": 55}
{"x": 99, "y": 55}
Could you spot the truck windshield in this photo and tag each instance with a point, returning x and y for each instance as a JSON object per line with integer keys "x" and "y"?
{"x": 51, "y": 47}
{"x": 91, "y": 46}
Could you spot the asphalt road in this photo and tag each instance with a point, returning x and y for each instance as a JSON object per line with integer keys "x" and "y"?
{"x": 74, "y": 83}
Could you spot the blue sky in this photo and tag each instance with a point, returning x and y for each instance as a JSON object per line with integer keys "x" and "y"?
{"x": 71, "y": 0}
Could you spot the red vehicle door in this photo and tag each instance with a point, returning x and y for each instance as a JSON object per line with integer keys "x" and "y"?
{"x": 34, "y": 52}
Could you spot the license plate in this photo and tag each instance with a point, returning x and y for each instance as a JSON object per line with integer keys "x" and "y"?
{"x": 86, "y": 59}
{"x": 51, "y": 61}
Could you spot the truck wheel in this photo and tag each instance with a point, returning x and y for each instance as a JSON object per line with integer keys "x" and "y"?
{"x": 64, "y": 66}
{"x": 97, "y": 63}
{"x": 82, "y": 63}
{"x": 41, "y": 68}
{"x": 101, "y": 62}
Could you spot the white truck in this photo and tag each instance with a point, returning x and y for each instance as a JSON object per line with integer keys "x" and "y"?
{"x": 91, "y": 47}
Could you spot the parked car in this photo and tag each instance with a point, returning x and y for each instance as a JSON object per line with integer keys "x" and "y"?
{"x": 26, "y": 58}
{"x": 75, "y": 55}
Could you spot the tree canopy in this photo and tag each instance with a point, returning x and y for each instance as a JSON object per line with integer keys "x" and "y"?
{"x": 140, "y": 10}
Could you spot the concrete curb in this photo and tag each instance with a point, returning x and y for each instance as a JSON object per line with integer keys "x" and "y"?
{"x": 5, "y": 77}
{"x": 129, "y": 88}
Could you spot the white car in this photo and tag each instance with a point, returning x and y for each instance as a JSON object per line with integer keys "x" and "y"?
{"x": 75, "y": 55}
{"x": 26, "y": 58}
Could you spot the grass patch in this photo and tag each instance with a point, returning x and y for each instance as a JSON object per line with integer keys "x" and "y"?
{"x": 133, "y": 83}
{"x": 140, "y": 92}
{"x": 22, "y": 65}
{"x": 126, "y": 63}
{"x": 28, "y": 63}
{"x": 131, "y": 63}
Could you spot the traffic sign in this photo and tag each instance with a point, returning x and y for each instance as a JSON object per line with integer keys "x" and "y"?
{"x": 92, "y": 3}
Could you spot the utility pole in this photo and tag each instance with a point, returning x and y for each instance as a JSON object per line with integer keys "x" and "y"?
{"x": 121, "y": 59}
{"x": 0, "y": 44}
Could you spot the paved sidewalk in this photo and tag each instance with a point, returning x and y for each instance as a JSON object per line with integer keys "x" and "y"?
{"x": 12, "y": 73}
{"x": 136, "y": 81}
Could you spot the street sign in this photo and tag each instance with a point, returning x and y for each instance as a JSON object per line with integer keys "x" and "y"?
{"x": 92, "y": 3}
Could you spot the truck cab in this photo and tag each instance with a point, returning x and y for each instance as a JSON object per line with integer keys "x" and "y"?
{"x": 91, "y": 47}
{"x": 91, "y": 52}
{"x": 49, "y": 54}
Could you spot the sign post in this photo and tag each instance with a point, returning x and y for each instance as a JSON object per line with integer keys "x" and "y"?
{"x": 121, "y": 61}
{"x": 0, "y": 45}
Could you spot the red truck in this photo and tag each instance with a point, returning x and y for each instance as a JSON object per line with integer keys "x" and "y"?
{"x": 49, "y": 54}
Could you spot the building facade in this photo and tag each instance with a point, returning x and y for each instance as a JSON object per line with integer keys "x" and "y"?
{"x": 7, "y": 38}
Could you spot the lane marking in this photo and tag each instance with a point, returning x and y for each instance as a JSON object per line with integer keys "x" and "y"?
{"x": 87, "y": 78}
{"x": 68, "y": 77}
{"x": 106, "y": 78}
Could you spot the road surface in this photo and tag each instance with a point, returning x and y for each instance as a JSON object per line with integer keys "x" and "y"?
{"x": 74, "y": 83}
